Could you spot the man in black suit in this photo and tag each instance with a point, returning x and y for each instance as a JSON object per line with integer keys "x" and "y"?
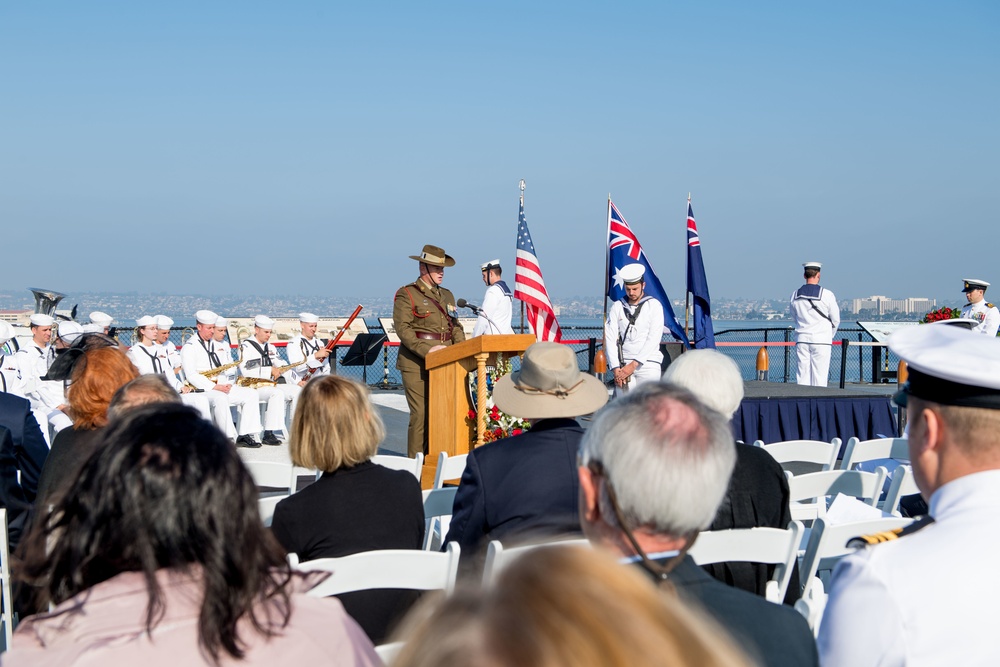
{"x": 23, "y": 448}
{"x": 527, "y": 484}
{"x": 654, "y": 466}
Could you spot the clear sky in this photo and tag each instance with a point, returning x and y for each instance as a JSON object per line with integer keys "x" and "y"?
{"x": 309, "y": 147}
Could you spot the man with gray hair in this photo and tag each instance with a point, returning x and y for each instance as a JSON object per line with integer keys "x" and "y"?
{"x": 654, "y": 467}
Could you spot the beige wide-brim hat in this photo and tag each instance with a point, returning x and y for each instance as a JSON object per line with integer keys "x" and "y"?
{"x": 434, "y": 256}
{"x": 549, "y": 385}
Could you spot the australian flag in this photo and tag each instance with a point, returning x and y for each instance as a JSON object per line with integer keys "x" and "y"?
{"x": 623, "y": 249}
{"x": 697, "y": 286}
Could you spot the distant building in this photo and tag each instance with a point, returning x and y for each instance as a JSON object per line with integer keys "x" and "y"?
{"x": 16, "y": 316}
{"x": 883, "y": 305}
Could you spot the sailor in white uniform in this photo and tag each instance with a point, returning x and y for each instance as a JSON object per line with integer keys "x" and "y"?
{"x": 150, "y": 357}
{"x": 47, "y": 397}
{"x": 632, "y": 333}
{"x": 495, "y": 313}
{"x": 10, "y": 371}
{"x": 259, "y": 359}
{"x": 198, "y": 354}
{"x": 308, "y": 352}
{"x": 929, "y": 597}
{"x": 163, "y": 325}
{"x": 101, "y": 321}
{"x": 978, "y": 309}
{"x": 816, "y": 316}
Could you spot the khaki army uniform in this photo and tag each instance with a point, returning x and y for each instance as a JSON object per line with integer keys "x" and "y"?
{"x": 424, "y": 316}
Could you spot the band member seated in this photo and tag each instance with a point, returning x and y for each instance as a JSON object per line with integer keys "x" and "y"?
{"x": 306, "y": 353}
{"x": 48, "y": 399}
{"x": 260, "y": 361}
{"x": 152, "y": 358}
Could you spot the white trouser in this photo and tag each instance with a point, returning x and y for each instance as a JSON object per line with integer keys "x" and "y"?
{"x": 814, "y": 363}
{"x": 292, "y": 392}
{"x": 242, "y": 397}
{"x": 46, "y": 417}
{"x": 274, "y": 413}
{"x": 200, "y": 402}
{"x": 648, "y": 372}
{"x": 221, "y": 414}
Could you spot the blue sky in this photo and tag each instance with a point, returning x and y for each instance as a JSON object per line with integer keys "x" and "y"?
{"x": 309, "y": 147}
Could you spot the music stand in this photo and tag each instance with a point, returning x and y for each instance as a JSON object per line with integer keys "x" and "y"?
{"x": 364, "y": 351}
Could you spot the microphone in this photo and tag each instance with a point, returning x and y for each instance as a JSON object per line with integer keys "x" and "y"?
{"x": 462, "y": 303}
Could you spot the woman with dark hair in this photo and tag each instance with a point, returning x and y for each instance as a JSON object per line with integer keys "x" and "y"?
{"x": 157, "y": 556}
{"x": 95, "y": 376}
{"x": 356, "y": 505}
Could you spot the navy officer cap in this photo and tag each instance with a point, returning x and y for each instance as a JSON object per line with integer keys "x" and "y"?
{"x": 949, "y": 366}
{"x": 970, "y": 284}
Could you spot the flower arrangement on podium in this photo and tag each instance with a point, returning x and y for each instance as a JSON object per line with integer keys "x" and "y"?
{"x": 498, "y": 424}
{"x": 945, "y": 313}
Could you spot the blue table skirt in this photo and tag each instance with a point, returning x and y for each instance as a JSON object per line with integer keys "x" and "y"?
{"x": 812, "y": 418}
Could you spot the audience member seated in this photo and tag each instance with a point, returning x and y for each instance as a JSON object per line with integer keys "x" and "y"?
{"x": 356, "y": 505}
{"x": 758, "y": 489}
{"x": 96, "y": 375}
{"x": 157, "y": 556}
{"x": 527, "y": 484}
{"x": 655, "y": 465}
{"x": 22, "y": 456}
{"x": 564, "y": 606}
{"x": 144, "y": 390}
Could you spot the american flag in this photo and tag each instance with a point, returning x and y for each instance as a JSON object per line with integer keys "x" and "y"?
{"x": 529, "y": 286}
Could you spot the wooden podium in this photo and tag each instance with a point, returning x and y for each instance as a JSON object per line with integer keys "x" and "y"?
{"x": 448, "y": 395}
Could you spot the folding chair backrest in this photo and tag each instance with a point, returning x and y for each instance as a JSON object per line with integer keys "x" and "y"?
{"x": 828, "y": 544}
{"x": 266, "y": 507}
{"x": 414, "y": 465}
{"x": 773, "y": 546}
{"x": 859, "y": 451}
{"x": 903, "y": 484}
{"x": 866, "y": 486}
{"x": 8, "y": 613}
{"x": 412, "y": 569}
{"x": 449, "y": 467}
{"x": 273, "y": 474}
{"x": 438, "y": 503}
{"x": 820, "y": 453}
{"x": 498, "y": 557}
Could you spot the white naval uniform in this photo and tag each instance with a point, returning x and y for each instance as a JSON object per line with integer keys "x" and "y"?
{"x": 300, "y": 348}
{"x": 495, "y": 314}
{"x": 195, "y": 357}
{"x": 10, "y": 375}
{"x": 816, "y": 321}
{"x": 987, "y": 315}
{"x": 928, "y": 598}
{"x": 256, "y": 365}
{"x": 154, "y": 358}
{"x": 45, "y": 395}
{"x": 640, "y": 342}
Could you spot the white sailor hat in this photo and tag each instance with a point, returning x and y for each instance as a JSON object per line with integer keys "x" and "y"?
{"x": 492, "y": 264}
{"x": 974, "y": 283}
{"x": 220, "y": 321}
{"x": 70, "y": 331}
{"x": 40, "y": 320}
{"x": 949, "y": 365}
{"x": 812, "y": 265}
{"x": 144, "y": 321}
{"x": 632, "y": 273}
{"x": 206, "y": 317}
{"x": 308, "y": 318}
{"x": 93, "y": 327}
{"x": 163, "y": 322}
{"x": 6, "y": 332}
{"x": 264, "y": 322}
{"x": 97, "y": 317}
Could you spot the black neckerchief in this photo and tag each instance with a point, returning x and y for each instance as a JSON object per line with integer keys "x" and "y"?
{"x": 265, "y": 359}
{"x": 157, "y": 366}
{"x": 213, "y": 358}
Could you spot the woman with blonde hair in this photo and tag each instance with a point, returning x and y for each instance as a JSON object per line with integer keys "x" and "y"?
{"x": 356, "y": 505}
{"x": 564, "y": 605}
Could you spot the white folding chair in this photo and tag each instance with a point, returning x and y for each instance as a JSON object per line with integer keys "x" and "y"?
{"x": 827, "y": 545}
{"x": 273, "y": 474}
{"x": 449, "y": 467}
{"x": 438, "y": 504}
{"x": 412, "y": 569}
{"x": 903, "y": 484}
{"x": 414, "y": 465}
{"x": 808, "y": 493}
{"x": 266, "y": 508}
{"x": 7, "y": 618}
{"x": 859, "y": 451}
{"x": 498, "y": 557}
{"x": 823, "y": 454}
{"x": 772, "y": 546}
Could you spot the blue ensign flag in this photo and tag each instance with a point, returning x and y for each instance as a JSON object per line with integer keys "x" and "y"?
{"x": 624, "y": 249}
{"x": 697, "y": 286}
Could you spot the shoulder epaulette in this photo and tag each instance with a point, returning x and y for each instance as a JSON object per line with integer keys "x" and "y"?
{"x": 889, "y": 535}
{"x": 990, "y": 305}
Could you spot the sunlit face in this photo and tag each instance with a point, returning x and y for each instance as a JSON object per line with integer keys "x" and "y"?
{"x": 262, "y": 335}
{"x": 162, "y": 336}
{"x": 148, "y": 333}
{"x": 309, "y": 329}
{"x": 432, "y": 274}
{"x": 634, "y": 292}
{"x": 206, "y": 331}
{"x": 974, "y": 295}
{"x": 41, "y": 335}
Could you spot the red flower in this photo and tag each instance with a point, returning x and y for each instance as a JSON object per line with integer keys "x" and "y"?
{"x": 516, "y": 431}
{"x": 472, "y": 415}
{"x": 498, "y": 432}
{"x": 495, "y": 412}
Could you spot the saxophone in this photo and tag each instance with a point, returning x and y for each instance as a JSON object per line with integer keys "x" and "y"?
{"x": 213, "y": 373}
{"x": 255, "y": 383}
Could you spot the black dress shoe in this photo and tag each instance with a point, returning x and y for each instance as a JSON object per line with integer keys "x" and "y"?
{"x": 247, "y": 441}
{"x": 270, "y": 438}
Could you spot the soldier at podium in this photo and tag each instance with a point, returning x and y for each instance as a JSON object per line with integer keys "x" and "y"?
{"x": 425, "y": 319}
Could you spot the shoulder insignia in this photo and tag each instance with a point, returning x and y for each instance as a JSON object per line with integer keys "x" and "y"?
{"x": 990, "y": 305}
{"x": 890, "y": 535}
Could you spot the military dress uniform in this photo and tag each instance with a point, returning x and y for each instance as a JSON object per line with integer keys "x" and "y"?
{"x": 149, "y": 359}
{"x": 985, "y": 313}
{"x": 498, "y": 306}
{"x": 633, "y": 333}
{"x": 10, "y": 372}
{"x": 302, "y": 351}
{"x": 816, "y": 315}
{"x": 424, "y": 316}
{"x": 45, "y": 396}
{"x": 257, "y": 360}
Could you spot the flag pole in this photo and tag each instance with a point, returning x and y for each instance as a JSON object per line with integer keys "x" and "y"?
{"x": 521, "y": 201}
{"x": 687, "y": 287}
{"x": 601, "y": 356}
